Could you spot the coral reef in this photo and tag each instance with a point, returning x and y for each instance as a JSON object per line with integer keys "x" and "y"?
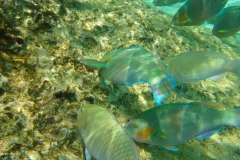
{"x": 42, "y": 83}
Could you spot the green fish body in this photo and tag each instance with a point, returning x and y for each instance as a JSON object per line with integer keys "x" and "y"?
{"x": 194, "y": 66}
{"x": 166, "y": 2}
{"x": 228, "y": 23}
{"x": 215, "y": 18}
{"x": 134, "y": 65}
{"x": 196, "y": 12}
{"x": 176, "y": 123}
{"x": 104, "y": 137}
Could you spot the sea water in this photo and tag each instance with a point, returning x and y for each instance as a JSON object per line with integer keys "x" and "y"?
{"x": 171, "y": 10}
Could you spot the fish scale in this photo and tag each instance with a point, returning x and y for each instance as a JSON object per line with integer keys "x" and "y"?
{"x": 104, "y": 137}
{"x": 227, "y": 23}
{"x": 134, "y": 65}
{"x": 196, "y": 12}
{"x": 194, "y": 66}
{"x": 174, "y": 123}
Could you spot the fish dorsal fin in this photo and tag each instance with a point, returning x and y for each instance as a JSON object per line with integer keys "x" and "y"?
{"x": 94, "y": 63}
{"x": 214, "y": 105}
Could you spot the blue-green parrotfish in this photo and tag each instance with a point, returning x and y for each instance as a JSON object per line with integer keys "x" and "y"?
{"x": 134, "y": 65}
{"x": 194, "y": 66}
{"x": 176, "y": 123}
{"x": 196, "y": 12}
{"x": 104, "y": 137}
{"x": 214, "y": 19}
{"x": 166, "y": 2}
{"x": 228, "y": 23}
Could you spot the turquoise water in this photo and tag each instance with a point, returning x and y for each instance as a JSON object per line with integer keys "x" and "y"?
{"x": 171, "y": 10}
{"x": 43, "y": 83}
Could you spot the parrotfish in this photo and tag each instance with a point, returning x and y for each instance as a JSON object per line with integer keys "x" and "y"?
{"x": 196, "y": 12}
{"x": 134, "y": 65}
{"x": 214, "y": 19}
{"x": 194, "y": 66}
{"x": 104, "y": 137}
{"x": 166, "y": 2}
{"x": 228, "y": 23}
{"x": 176, "y": 123}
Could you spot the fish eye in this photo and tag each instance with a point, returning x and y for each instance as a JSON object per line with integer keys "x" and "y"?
{"x": 136, "y": 125}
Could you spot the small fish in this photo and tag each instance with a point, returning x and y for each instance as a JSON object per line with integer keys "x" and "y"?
{"x": 194, "y": 66}
{"x": 104, "y": 137}
{"x": 134, "y": 65}
{"x": 175, "y": 123}
{"x": 228, "y": 23}
{"x": 215, "y": 18}
{"x": 196, "y": 12}
{"x": 166, "y": 2}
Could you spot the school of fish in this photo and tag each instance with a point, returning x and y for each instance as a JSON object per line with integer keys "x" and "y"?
{"x": 166, "y": 125}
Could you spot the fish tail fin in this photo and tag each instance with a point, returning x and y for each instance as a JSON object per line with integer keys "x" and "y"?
{"x": 94, "y": 63}
{"x": 233, "y": 66}
{"x": 162, "y": 86}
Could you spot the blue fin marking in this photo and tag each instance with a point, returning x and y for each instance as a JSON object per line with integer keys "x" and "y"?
{"x": 162, "y": 90}
{"x": 171, "y": 148}
{"x": 208, "y": 134}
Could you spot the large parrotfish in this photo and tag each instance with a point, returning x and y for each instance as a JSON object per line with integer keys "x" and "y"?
{"x": 134, "y": 65}
{"x": 215, "y": 18}
{"x": 176, "y": 123}
{"x": 104, "y": 137}
{"x": 194, "y": 66}
{"x": 228, "y": 23}
{"x": 196, "y": 12}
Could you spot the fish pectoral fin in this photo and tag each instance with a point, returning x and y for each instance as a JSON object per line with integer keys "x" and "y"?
{"x": 106, "y": 59}
{"x": 171, "y": 148}
{"x": 160, "y": 135}
{"x": 222, "y": 31}
{"x": 215, "y": 78}
{"x": 109, "y": 83}
{"x": 208, "y": 134}
{"x": 186, "y": 21}
{"x": 94, "y": 63}
{"x": 88, "y": 156}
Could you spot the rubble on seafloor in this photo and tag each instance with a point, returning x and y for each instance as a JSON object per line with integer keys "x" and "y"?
{"x": 42, "y": 83}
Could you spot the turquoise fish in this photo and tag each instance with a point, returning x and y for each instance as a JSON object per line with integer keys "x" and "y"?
{"x": 194, "y": 66}
{"x": 215, "y": 18}
{"x": 176, "y": 123}
{"x": 166, "y": 2}
{"x": 134, "y": 65}
{"x": 104, "y": 137}
{"x": 228, "y": 23}
{"x": 196, "y": 12}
